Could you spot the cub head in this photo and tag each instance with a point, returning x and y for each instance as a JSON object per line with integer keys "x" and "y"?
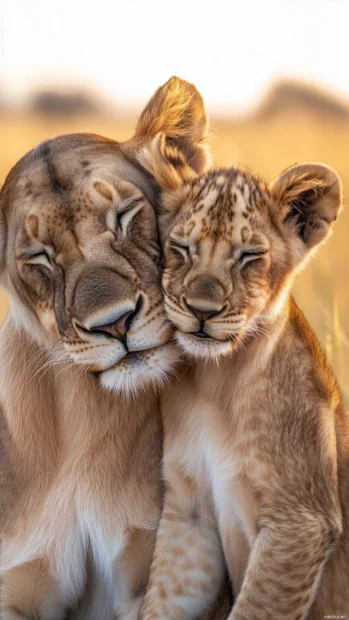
{"x": 232, "y": 244}
{"x": 79, "y": 248}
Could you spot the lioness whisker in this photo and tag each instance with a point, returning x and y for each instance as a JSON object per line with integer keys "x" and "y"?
{"x": 43, "y": 350}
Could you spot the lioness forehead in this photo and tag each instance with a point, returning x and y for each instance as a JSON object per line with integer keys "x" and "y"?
{"x": 61, "y": 164}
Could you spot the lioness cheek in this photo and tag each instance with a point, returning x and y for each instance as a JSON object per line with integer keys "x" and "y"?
{"x": 48, "y": 320}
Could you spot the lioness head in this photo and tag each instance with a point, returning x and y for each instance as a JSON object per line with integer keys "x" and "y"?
{"x": 233, "y": 243}
{"x": 79, "y": 246}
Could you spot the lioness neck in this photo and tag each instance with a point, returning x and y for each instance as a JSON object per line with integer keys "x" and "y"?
{"x": 62, "y": 408}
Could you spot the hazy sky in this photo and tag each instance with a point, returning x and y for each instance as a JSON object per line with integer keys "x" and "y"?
{"x": 126, "y": 48}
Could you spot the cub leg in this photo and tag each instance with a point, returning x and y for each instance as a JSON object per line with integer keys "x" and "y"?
{"x": 29, "y": 592}
{"x": 223, "y": 603}
{"x": 285, "y": 566}
{"x": 188, "y": 566}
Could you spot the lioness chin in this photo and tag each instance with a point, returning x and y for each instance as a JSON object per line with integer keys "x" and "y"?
{"x": 256, "y": 449}
{"x": 83, "y": 349}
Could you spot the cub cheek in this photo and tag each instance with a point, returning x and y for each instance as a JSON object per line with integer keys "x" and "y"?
{"x": 165, "y": 279}
{"x": 168, "y": 281}
{"x": 259, "y": 302}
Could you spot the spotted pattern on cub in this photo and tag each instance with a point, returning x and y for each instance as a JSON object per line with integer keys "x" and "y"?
{"x": 256, "y": 439}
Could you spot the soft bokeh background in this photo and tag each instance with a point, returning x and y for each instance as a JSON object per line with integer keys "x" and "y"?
{"x": 275, "y": 77}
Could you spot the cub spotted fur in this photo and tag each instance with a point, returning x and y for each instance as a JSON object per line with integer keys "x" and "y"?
{"x": 85, "y": 336}
{"x": 256, "y": 453}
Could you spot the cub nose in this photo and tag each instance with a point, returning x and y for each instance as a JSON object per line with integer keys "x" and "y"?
{"x": 119, "y": 327}
{"x": 201, "y": 312}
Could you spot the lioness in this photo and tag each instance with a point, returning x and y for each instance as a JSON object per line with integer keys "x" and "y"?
{"x": 83, "y": 349}
{"x": 256, "y": 452}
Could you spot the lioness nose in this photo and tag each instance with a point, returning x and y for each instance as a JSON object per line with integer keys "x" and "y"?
{"x": 118, "y": 328}
{"x": 203, "y": 313}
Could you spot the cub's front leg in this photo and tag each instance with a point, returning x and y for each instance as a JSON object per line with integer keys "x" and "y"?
{"x": 285, "y": 564}
{"x": 188, "y": 566}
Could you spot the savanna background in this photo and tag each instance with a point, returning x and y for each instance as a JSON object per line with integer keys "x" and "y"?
{"x": 274, "y": 75}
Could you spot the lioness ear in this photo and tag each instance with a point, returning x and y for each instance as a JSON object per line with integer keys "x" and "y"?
{"x": 167, "y": 164}
{"x": 308, "y": 198}
{"x": 177, "y": 110}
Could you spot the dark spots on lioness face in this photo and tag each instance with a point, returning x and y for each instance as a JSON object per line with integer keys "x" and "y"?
{"x": 68, "y": 235}
{"x": 55, "y": 181}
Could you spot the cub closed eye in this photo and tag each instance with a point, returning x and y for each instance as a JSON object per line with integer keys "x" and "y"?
{"x": 183, "y": 250}
{"x": 126, "y": 213}
{"x": 248, "y": 256}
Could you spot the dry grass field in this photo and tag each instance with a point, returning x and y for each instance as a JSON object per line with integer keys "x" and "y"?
{"x": 266, "y": 146}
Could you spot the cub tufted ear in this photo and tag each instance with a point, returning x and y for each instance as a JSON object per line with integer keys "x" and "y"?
{"x": 177, "y": 110}
{"x": 167, "y": 164}
{"x": 309, "y": 199}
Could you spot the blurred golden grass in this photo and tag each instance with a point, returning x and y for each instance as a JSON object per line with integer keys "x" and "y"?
{"x": 266, "y": 147}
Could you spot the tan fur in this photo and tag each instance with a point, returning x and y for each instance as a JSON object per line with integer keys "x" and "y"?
{"x": 177, "y": 110}
{"x": 256, "y": 452}
{"x": 159, "y": 153}
{"x": 83, "y": 350}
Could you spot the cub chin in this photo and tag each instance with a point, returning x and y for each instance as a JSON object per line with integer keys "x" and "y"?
{"x": 256, "y": 456}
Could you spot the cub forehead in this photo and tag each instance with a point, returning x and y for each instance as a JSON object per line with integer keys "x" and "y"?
{"x": 228, "y": 193}
{"x": 227, "y": 205}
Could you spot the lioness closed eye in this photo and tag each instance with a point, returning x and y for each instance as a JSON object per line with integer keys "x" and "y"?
{"x": 256, "y": 455}
{"x": 85, "y": 343}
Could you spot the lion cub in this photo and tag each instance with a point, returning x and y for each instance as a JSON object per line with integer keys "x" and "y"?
{"x": 256, "y": 438}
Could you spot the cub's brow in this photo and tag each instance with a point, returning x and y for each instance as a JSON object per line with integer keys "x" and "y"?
{"x": 178, "y": 240}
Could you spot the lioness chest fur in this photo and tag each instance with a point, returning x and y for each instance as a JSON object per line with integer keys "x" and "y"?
{"x": 83, "y": 351}
{"x": 256, "y": 452}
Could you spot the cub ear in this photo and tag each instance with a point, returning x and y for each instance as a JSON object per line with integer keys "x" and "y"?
{"x": 177, "y": 110}
{"x": 167, "y": 164}
{"x": 309, "y": 198}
